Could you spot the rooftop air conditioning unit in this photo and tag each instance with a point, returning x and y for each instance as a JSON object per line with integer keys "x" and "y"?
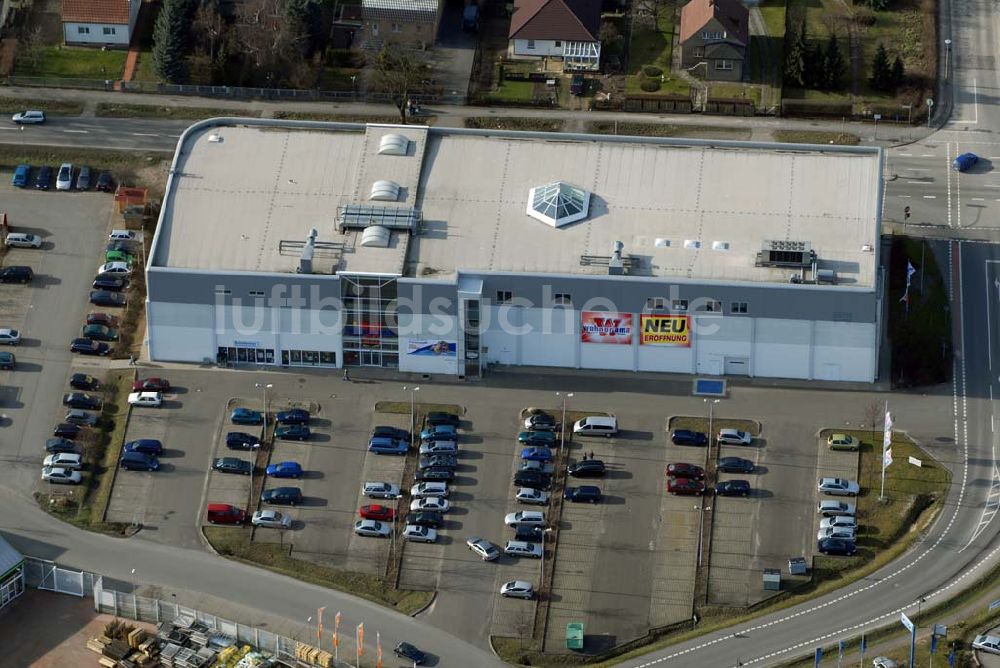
{"x": 786, "y": 254}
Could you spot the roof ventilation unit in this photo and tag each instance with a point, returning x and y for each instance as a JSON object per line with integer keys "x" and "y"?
{"x": 393, "y": 144}
{"x": 786, "y": 254}
{"x": 385, "y": 191}
{"x": 692, "y": 244}
{"x": 720, "y": 245}
{"x": 660, "y": 242}
{"x": 306, "y": 259}
{"x": 616, "y": 267}
{"x": 375, "y": 236}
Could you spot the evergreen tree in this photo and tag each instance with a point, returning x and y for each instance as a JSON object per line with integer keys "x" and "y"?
{"x": 794, "y": 70}
{"x": 896, "y": 73}
{"x": 169, "y": 40}
{"x": 833, "y": 65}
{"x": 812, "y": 66}
{"x": 881, "y": 77}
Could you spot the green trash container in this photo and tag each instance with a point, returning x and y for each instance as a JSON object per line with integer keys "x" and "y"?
{"x": 574, "y": 635}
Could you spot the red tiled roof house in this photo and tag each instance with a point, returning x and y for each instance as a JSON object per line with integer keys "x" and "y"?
{"x": 715, "y": 34}
{"x": 99, "y": 22}
{"x": 565, "y": 29}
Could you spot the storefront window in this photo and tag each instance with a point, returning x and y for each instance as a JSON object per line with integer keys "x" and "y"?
{"x": 328, "y": 359}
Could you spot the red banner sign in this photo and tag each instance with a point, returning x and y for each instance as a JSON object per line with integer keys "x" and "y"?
{"x": 606, "y": 327}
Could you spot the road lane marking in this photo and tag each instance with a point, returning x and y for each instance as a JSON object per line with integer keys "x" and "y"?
{"x": 978, "y": 199}
{"x": 916, "y": 183}
{"x": 930, "y": 196}
{"x": 947, "y": 156}
{"x": 905, "y": 196}
{"x": 79, "y": 132}
{"x": 143, "y": 134}
{"x": 927, "y": 155}
{"x": 905, "y": 155}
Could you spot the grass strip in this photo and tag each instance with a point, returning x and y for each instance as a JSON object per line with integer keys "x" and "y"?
{"x": 815, "y": 137}
{"x": 12, "y": 105}
{"x": 514, "y": 123}
{"x": 348, "y": 118}
{"x": 114, "y": 110}
{"x": 631, "y": 129}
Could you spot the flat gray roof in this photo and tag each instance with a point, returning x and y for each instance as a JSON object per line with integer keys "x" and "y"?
{"x": 682, "y": 210}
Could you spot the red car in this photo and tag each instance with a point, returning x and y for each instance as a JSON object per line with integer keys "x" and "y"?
{"x": 682, "y": 470}
{"x": 685, "y": 486}
{"x": 102, "y": 319}
{"x": 376, "y": 512}
{"x": 151, "y": 385}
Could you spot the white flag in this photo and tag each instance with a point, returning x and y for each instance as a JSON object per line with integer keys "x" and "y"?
{"x": 910, "y": 271}
{"x": 887, "y": 437}
{"x": 887, "y": 458}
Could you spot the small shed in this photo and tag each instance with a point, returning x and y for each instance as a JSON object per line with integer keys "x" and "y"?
{"x": 11, "y": 574}
{"x": 772, "y": 579}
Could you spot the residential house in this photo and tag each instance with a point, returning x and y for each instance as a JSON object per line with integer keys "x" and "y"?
{"x": 715, "y": 35}
{"x": 409, "y": 23}
{"x": 562, "y": 29}
{"x": 99, "y": 22}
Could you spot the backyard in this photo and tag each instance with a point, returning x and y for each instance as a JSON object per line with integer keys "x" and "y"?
{"x": 69, "y": 62}
{"x": 650, "y": 54}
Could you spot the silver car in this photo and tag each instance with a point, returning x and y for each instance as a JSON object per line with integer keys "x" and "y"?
{"x": 10, "y": 337}
{"x": 380, "y": 490}
{"x": 484, "y": 548}
{"x": 535, "y": 497}
{"x": 735, "y": 437}
{"x": 838, "y": 486}
{"x": 987, "y": 643}
{"x": 517, "y": 589}
{"x": 272, "y": 519}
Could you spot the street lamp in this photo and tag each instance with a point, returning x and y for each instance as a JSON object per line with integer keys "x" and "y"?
{"x": 711, "y": 414}
{"x": 264, "y": 388}
{"x": 947, "y": 56}
{"x": 413, "y": 391}
{"x": 562, "y": 423}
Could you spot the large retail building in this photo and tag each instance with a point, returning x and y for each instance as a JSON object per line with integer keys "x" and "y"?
{"x": 439, "y": 250}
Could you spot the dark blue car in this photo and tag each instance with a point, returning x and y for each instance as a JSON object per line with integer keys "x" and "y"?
{"x": 688, "y": 437}
{"x": 292, "y": 432}
{"x": 238, "y": 440}
{"x": 293, "y": 416}
{"x": 965, "y": 162}
{"x": 246, "y": 416}
{"x": 837, "y": 546}
{"x": 583, "y": 494}
{"x": 536, "y": 454}
{"x": 735, "y": 465}
{"x": 733, "y": 488}
{"x": 285, "y": 470}
{"x": 21, "y": 176}
{"x": 149, "y": 446}
{"x": 44, "y": 180}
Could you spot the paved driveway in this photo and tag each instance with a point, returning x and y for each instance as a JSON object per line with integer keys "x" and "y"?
{"x": 453, "y": 53}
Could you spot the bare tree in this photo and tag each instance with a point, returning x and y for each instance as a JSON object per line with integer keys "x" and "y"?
{"x": 31, "y": 46}
{"x": 399, "y": 73}
{"x": 873, "y": 418}
{"x": 209, "y": 28}
{"x": 271, "y": 44}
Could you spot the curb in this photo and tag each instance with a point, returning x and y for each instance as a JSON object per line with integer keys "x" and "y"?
{"x": 429, "y": 604}
{"x": 114, "y": 475}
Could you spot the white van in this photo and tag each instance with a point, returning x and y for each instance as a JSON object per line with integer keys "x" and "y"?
{"x": 121, "y": 235}
{"x": 597, "y": 425}
{"x": 22, "y": 240}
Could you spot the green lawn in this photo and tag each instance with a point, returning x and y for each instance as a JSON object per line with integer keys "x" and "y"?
{"x": 72, "y": 62}
{"x": 654, "y": 48}
{"x": 144, "y": 71}
{"x": 515, "y": 91}
{"x": 666, "y": 130}
{"x": 815, "y": 137}
{"x": 110, "y": 110}
{"x": 339, "y": 78}
{"x": 773, "y": 13}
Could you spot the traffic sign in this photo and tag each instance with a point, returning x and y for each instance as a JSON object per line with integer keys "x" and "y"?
{"x": 906, "y": 622}
{"x": 995, "y": 604}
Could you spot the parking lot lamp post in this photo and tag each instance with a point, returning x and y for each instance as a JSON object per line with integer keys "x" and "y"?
{"x": 711, "y": 414}
{"x": 413, "y": 413}
{"x": 562, "y": 423}
{"x": 264, "y": 388}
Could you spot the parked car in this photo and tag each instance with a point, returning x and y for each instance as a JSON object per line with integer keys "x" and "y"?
{"x": 534, "y": 497}
{"x": 405, "y": 650}
{"x": 517, "y": 589}
{"x": 427, "y": 518}
{"x": 224, "y": 513}
{"x": 682, "y": 470}
{"x": 536, "y": 454}
{"x": 110, "y": 282}
{"x": 99, "y": 333}
{"x": 439, "y": 460}
{"x": 145, "y": 399}
{"x": 486, "y": 550}
{"x": 293, "y": 416}
{"x": 150, "y": 446}
{"x": 688, "y": 437}
{"x": 271, "y": 519}
{"x": 838, "y": 486}
{"x": 138, "y": 461}
{"x": 64, "y": 178}
{"x": 30, "y": 117}
{"x": 577, "y": 84}
{"x": 384, "y": 445}
{"x": 284, "y": 470}
{"x": 83, "y": 178}
{"x": 422, "y": 489}
{"x": 831, "y": 507}
{"x": 435, "y": 503}
{"x": 419, "y": 533}
{"x": 232, "y": 465}
{"x": 9, "y": 337}
{"x": 16, "y": 274}
{"x": 540, "y": 422}
{"x": 438, "y": 473}
{"x": 842, "y": 442}
{"x": 435, "y": 418}
{"x": 380, "y": 490}
{"x": 82, "y": 400}
{"x": 121, "y": 235}
{"x": 118, "y": 255}
{"x": 529, "y": 532}
{"x": 439, "y": 432}
{"x": 246, "y": 416}
{"x": 685, "y": 486}
{"x": 535, "y": 465}
{"x": 965, "y": 162}
{"x": 884, "y": 662}
{"x": 987, "y": 643}
{"x": 86, "y": 346}
{"x": 105, "y": 319}
{"x": 520, "y": 548}
{"x": 588, "y": 468}
{"x": 66, "y": 430}
{"x": 438, "y": 447}
{"x": 375, "y": 511}
{"x": 292, "y": 432}
{"x": 22, "y": 240}
{"x": 283, "y": 496}
{"x": 44, "y": 179}
{"x": 239, "y": 440}
{"x": 372, "y": 528}
{"x": 64, "y": 460}
{"x": 839, "y": 521}
{"x": 81, "y": 417}
{"x": 542, "y": 438}
{"x": 82, "y": 381}
{"x": 58, "y": 476}
{"x": 22, "y": 175}
{"x": 54, "y": 445}
{"x": 734, "y": 437}
{"x": 532, "y": 479}
{"x": 151, "y": 385}
{"x": 847, "y": 533}
{"x": 733, "y": 488}
{"x": 7, "y": 360}
{"x": 391, "y": 432}
{"x": 583, "y": 493}
{"x": 104, "y": 182}
{"x": 121, "y": 268}
{"x": 836, "y": 546}
{"x": 735, "y": 465}
{"x": 532, "y": 517}
{"x": 106, "y": 298}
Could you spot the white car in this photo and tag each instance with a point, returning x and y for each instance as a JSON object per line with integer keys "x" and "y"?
{"x": 372, "y": 528}
{"x": 838, "y": 486}
{"x": 521, "y": 548}
{"x": 517, "y": 589}
{"x": 438, "y": 447}
{"x": 847, "y": 533}
{"x": 429, "y": 488}
{"x": 839, "y": 521}
{"x": 987, "y": 643}
{"x": 420, "y": 534}
{"x": 831, "y": 507}
{"x": 884, "y": 662}
{"x": 735, "y": 437}
{"x": 23, "y": 240}
{"x": 437, "y": 503}
{"x": 61, "y": 476}
{"x": 535, "y": 497}
{"x": 64, "y": 460}
{"x": 149, "y": 399}
{"x": 121, "y": 235}
{"x": 272, "y": 519}
{"x": 10, "y": 337}
{"x": 28, "y": 117}
{"x": 525, "y": 518}
{"x": 380, "y": 490}
{"x": 64, "y": 177}
{"x": 120, "y": 268}
{"x": 484, "y": 548}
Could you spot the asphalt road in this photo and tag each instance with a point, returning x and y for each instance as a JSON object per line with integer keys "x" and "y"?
{"x": 137, "y": 134}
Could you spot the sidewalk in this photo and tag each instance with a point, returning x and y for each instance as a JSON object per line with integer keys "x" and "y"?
{"x": 889, "y": 134}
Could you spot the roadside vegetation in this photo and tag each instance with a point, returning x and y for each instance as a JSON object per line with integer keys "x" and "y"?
{"x": 12, "y": 105}
{"x": 113, "y": 110}
{"x": 666, "y": 130}
{"x": 68, "y": 62}
{"x": 539, "y": 124}
{"x": 815, "y": 137}
{"x": 920, "y": 327}
{"x": 343, "y": 118}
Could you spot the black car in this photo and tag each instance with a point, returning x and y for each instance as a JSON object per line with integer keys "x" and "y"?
{"x": 735, "y": 465}
{"x": 56, "y": 445}
{"x": 688, "y": 437}
{"x": 16, "y": 274}
{"x": 81, "y": 400}
{"x": 232, "y": 465}
{"x": 583, "y": 493}
{"x": 81, "y": 417}
{"x": 532, "y": 479}
{"x": 577, "y": 85}
{"x": 282, "y": 496}
{"x": 104, "y": 183}
{"x": 44, "y": 180}
{"x": 391, "y": 432}
{"x": 105, "y": 298}
{"x": 292, "y": 432}
{"x": 425, "y": 518}
{"x": 83, "y": 180}
{"x": 540, "y": 422}
{"x": 109, "y": 282}
{"x": 238, "y": 440}
{"x": 88, "y": 347}
{"x": 837, "y": 546}
{"x": 529, "y": 533}
{"x": 439, "y": 460}
{"x": 436, "y": 473}
{"x": 293, "y": 416}
{"x": 588, "y": 468}
{"x": 733, "y": 488}
{"x": 66, "y": 430}
{"x": 405, "y": 650}
{"x": 82, "y": 381}
{"x": 435, "y": 418}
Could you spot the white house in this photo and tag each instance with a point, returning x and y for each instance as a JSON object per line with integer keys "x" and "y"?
{"x": 565, "y": 29}
{"x": 99, "y": 22}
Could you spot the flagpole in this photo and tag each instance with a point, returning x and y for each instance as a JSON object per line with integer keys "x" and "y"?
{"x": 881, "y": 493}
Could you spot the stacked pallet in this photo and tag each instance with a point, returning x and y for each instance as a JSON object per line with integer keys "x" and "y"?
{"x": 313, "y": 656}
{"x": 125, "y": 646}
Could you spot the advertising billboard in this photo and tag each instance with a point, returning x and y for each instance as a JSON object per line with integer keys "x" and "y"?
{"x": 665, "y": 330}
{"x": 433, "y": 348}
{"x": 606, "y": 327}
